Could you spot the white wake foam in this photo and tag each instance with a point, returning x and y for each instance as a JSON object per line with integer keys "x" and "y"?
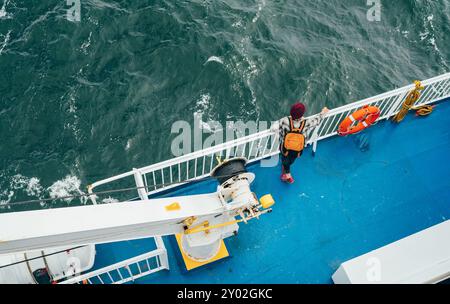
{"x": 3, "y": 12}
{"x": 30, "y": 185}
{"x": 20, "y": 185}
{"x": 5, "y": 42}
{"x": 261, "y": 5}
{"x": 70, "y": 185}
{"x": 214, "y": 59}
{"x": 202, "y": 104}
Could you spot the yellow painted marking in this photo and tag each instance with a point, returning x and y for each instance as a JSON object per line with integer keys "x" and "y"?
{"x": 173, "y": 207}
{"x": 191, "y": 264}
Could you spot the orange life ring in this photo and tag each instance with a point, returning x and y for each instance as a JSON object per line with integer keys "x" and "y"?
{"x": 365, "y": 116}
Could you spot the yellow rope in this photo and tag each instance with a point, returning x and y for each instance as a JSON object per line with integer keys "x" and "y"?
{"x": 412, "y": 97}
{"x": 423, "y": 110}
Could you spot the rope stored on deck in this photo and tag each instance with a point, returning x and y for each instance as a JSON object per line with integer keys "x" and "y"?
{"x": 412, "y": 97}
{"x": 423, "y": 110}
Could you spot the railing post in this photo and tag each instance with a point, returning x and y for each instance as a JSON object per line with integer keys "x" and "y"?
{"x": 315, "y": 136}
{"x": 140, "y": 184}
{"x": 163, "y": 257}
{"x": 93, "y": 196}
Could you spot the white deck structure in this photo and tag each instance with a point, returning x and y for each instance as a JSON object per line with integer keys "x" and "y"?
{"x": 420, "y": 258}
{"x": 104, "y": 223}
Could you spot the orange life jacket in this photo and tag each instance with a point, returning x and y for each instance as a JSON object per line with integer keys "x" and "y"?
{"x": 294, "y": 140}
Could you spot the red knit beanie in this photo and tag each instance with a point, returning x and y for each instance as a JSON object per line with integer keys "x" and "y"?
{"x": 297, "y": 110}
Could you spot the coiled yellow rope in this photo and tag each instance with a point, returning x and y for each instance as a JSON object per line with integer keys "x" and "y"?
{"x": 412, "y": 97}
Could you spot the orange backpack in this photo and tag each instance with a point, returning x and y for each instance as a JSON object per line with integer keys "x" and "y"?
{"x": 294, "y": 140}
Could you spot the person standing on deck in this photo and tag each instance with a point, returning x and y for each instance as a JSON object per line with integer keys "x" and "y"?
{"x": 292, "y": 130}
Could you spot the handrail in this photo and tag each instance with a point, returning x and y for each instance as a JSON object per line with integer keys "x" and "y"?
{"x": 171, "y": 173}
{"x": 182, "y": 158}
{"x": 107, "y": 274}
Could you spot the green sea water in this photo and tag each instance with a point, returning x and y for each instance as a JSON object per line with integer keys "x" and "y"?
{"x": 85, "y": 100}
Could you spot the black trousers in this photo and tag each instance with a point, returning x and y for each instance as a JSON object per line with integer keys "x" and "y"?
{"x": 288, "y": 159}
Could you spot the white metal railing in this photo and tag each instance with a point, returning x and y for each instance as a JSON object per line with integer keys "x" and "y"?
{"x": 197, "y": 165}
{"x": 435, "y": 89}
{"x": 127, "y": 270}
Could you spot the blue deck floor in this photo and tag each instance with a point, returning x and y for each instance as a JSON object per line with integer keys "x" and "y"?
{"x": 344, "y": 203}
